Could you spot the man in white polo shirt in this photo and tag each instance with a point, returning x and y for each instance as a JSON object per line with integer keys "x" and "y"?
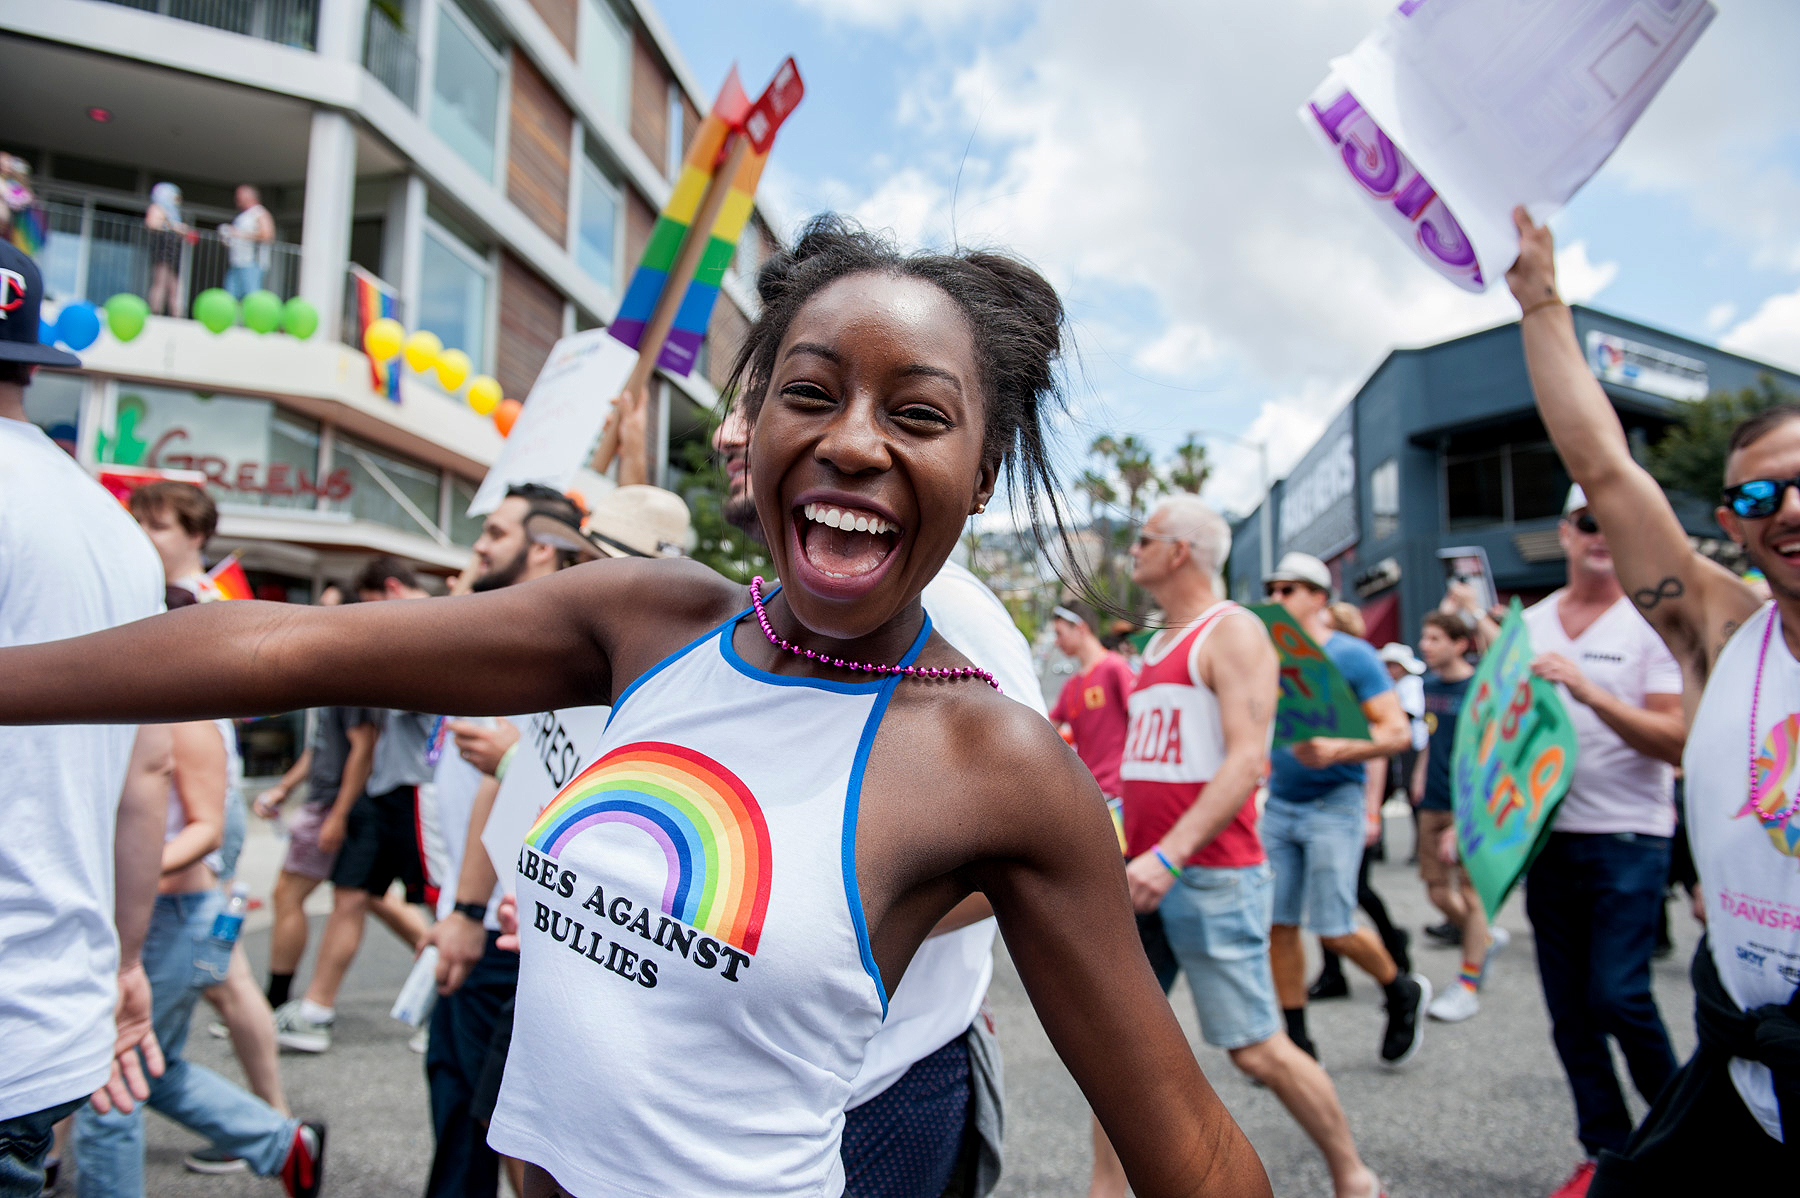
{"x": 1594, "y": 891}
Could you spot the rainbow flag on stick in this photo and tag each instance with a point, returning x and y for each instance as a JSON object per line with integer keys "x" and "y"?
{"x": 226, "y": 580}
{"x": 373, "y": 303}
{"x": 669, "y": 302}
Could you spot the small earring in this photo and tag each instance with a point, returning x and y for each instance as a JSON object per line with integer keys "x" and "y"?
{"x": 980, "y": 508}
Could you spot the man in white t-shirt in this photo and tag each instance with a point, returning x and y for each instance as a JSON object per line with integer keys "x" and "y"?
{"x": 247, "y": 240}
{"x": 924, "y": 1116}
{"x": 1595, "y": 890}
{"x": 71, "y": 562}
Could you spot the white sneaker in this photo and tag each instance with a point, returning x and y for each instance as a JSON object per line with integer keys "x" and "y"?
{"x": 421, "y": 1040}
{"x": 218, "y": 1031}
{"x": 1454, "y": 1005}
{"x": 294, "y": 1031}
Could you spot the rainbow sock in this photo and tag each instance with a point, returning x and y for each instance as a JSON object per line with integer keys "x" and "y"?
{"x": 1470, "y": 977}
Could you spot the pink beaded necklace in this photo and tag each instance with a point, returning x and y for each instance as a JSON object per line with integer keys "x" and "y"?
{"x": 1756, "y": 694}
{"x": 946, "y": 673}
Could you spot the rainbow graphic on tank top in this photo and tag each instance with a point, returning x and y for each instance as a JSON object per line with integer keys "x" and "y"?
{"x": 706, "y": 821}
{"x": 1772, "y": 798}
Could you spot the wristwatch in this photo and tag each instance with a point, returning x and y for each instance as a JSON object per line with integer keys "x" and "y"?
{"x": 474, "y": 911}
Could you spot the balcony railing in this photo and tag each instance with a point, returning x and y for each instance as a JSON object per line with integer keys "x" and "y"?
{"x": 92, "y": 253}
{"x": 391, "y": 54}
{"x": 285, "y": 22}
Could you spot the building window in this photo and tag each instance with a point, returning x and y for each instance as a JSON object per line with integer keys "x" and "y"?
{"x": 1509, "y": 484}
{"x": 598, "y": 224}
{"x": 605, "y": 58}
{"x": 453, "y": 293}
{"x": 250, "y": 451}
{"x": 384, "y": 485}
{"x": 464, "y": 528}
{"x": 677, "y": 140}
{"x": 1384, "y": 499}
{"x": 465, "y": 90}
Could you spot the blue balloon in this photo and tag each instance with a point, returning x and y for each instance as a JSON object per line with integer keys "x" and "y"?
{"x": 79, "y": 325}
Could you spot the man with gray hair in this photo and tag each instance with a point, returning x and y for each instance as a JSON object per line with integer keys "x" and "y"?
{"x": 1200, "y": 714}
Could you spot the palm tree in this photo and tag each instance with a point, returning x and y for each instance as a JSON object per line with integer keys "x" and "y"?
{"x": 1137, "y": 470}
{"x": 1190, "y": 469}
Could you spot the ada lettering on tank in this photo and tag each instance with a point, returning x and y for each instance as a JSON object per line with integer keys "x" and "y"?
{"x": 643, "y": 939}
{"x": 1402, "y": 197}
{"x": 1512, "y": 763}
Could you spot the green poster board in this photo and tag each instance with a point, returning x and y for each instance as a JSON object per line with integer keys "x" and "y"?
{"x": 1315, "y": 699}
{"x": 1513, "y": 761}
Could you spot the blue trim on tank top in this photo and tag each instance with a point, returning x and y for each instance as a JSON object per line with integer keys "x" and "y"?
{"x": 731, "y": 655}
{"x": 668, "y": 661}
{"x": 853, "y": 803}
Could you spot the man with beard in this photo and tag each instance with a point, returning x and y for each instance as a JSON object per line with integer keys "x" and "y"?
{"x": 924, "y": 1116}
{"x": 532, "y": 534}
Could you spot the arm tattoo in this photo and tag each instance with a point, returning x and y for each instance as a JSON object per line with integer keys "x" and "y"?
{"x": 1650, "y": 597}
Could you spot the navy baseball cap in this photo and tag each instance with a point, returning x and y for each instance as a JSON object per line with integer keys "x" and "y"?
{"x": 21, "y": 294}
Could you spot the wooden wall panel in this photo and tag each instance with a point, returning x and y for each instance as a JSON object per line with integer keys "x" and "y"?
{"x": 531, "y": 321}
{"x": 537, "y": 166}
{"x": 561, "y": 16}
{"x": 649, "y": 101}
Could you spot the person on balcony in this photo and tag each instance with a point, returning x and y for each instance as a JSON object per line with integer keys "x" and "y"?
{"x": 247, "y": 239}
{"x": 163, "y": 219}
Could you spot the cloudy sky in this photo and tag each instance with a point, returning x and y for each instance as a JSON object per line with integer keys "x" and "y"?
{"x": 1222, "y": 276}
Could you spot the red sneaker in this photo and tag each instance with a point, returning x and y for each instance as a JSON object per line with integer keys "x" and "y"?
{"x": 303, "y": 1173}
{"x": 1577, "y": 1185}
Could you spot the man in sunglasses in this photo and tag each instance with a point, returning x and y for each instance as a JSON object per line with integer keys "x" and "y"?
{"x": 1596, "y": 888}
{"x": 1736, "y": 1103}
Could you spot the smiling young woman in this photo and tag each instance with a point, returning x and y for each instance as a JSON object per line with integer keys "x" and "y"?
{"x": 713, "y": 914}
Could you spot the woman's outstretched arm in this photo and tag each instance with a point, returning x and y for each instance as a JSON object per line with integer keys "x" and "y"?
{"x": 1065, "y": 911}
{"x": 532, "y": 647}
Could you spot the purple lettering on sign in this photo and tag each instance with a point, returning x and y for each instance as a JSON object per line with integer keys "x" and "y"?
{"x": 1409, "y": 7}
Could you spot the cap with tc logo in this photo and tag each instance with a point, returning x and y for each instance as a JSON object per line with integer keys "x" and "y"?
{"x": 21, "y": 292}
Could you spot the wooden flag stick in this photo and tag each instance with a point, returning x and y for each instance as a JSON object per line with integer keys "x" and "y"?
{"x": 681, "y": 273}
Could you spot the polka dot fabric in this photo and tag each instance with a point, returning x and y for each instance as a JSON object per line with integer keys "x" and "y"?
{"x": 906, "y": 1141}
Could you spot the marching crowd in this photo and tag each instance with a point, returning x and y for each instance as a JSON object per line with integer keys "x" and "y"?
{"x": 845, "y": 814}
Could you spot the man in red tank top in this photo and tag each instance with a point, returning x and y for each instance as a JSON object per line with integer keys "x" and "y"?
{"x": 1196, "y": 747}
{"x": 1093, "y": 701}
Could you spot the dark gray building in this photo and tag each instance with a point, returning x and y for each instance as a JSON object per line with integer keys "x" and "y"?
{"x": 1442, "y": 447}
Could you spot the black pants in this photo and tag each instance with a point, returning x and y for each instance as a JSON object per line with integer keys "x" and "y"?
{"x": 462, "y": 1028}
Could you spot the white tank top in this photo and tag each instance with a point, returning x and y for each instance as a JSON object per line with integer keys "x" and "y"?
{"x": 696, "y": 985}
{"x": 1746, "y": 835}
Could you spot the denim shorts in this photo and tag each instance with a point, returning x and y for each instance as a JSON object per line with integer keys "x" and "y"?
{"x": 1213, "y": 925}
{"x": 1316, "y": 848}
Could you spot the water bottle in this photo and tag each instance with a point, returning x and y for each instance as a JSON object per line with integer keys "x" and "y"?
{"x": 229, "y": 922}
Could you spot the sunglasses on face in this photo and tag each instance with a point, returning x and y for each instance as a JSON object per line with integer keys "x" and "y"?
{"x": 1586, "y": 523}
{"x": 1759, "y": 497}
{"x": 1145, "y": 538}
{"x": 1281, "y": 590}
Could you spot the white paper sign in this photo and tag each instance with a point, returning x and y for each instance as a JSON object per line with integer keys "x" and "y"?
{"x": 561, "y": 419}
{"x": 554, "y": 746}
{"x": 1468, "y": 107}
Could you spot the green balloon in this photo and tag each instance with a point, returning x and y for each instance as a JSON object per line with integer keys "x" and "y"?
{"x": 125, "y": 315}
{"x": 300, "y": 318}
{"x": 215, "y": 309}
{"x": 262, "y": 311}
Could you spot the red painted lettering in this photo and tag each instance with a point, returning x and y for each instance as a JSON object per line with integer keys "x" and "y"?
{"x": 278, "y": 483}
{"x": 1172, "y": 747}
{"x": 246, "y": 478}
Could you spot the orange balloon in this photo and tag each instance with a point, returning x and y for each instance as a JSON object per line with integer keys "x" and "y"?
{"x": 505, "y": 414}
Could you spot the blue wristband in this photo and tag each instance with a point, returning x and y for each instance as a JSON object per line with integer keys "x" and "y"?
{"x": 1163, "y": 857}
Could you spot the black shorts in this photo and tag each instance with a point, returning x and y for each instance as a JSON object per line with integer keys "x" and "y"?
{"x": 381, "y": 844}
{"x": 493, "y": 1070}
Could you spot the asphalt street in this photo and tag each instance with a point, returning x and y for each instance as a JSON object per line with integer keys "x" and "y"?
{"x": 1482, "y": 1112}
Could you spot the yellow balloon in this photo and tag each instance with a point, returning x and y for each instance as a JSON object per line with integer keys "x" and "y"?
{"x": 453, "y": 367}
{"x": 484, "y": 394}
{"x": 382, "y": 338}
{"x": 422, "y": 350}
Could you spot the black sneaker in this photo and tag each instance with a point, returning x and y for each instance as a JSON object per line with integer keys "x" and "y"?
{"x": 1329, "y": 984}
{"x": 1405, "y": 1028}
{"x": 1445, "y": 933}
{"x": 303, "y": 1173}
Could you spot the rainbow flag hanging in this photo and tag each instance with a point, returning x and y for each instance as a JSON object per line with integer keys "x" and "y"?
{"x": 372, "y": 303}
{"x": 730, "y": 113}
{"x": 28, "y": 231}
{"x": 226, "y": 580}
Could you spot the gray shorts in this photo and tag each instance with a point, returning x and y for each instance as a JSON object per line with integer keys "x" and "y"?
{"x": 1213, "y": 925}
{"x": 304, "y": 856}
